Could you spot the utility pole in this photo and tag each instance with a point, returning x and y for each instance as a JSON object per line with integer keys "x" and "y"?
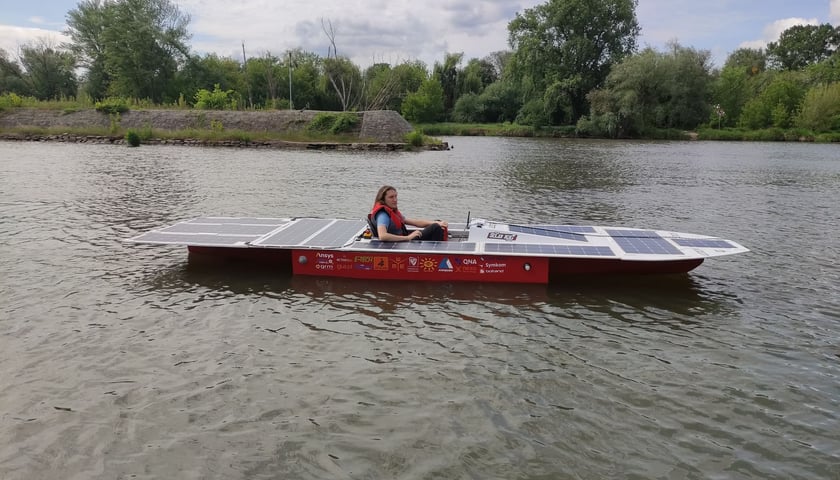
{"x": 291, "y": 104}
{"x": 245, "y": 68}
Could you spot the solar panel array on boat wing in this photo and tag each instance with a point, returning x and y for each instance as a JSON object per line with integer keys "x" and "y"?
{"x": 538, "y": 249}
{"x": 314, "y": 233}
{"x": 567, "y": 232}
{"x": 213, "y": 231}
{"x": 643, "y": 242}
{"x": 703, "y": 243}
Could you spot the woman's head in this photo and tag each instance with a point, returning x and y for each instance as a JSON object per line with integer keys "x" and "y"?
{"x": 387, "y": 195}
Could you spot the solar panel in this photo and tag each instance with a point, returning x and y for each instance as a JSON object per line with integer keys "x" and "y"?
{"x": 616, "y": 233}
{"x": 556, "y": 231}
{"x": 538, "y": 249}
{"x": 296, "y": 233}
{"x": 703, "y": 243}
{"x": 337, "y": 234}
{"x": 220, "y": 228}
{"x": 242, "y": 220}
{"x": 193, "y": 239}
{"x": 643, "y": 242}
{"x": 443, "y": 247}
{"x": 566, "y": 228}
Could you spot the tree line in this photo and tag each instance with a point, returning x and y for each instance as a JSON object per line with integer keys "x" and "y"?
{"x": 572, "y": 63}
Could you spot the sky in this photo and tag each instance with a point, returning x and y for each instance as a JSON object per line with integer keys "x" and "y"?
{"x": 394, "y": 31}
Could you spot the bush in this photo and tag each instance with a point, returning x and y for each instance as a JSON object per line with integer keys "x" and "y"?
{"x": 112, "y": 106}
{"x": 10, "y": 100}
{"x": 344, "y": 122}
{"x": 132, "y": 138}
{"x": 332, "y": 123}
{"x": 414, "y": 138}
{"x": 218, "y": 99}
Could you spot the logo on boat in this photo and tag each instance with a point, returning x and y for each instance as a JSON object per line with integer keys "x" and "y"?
{"x": 398, "y": 263}
{"x": 445, "y": 265}
{"x": 428, "y": 264}
{"x": 508, "y": 237}
{"x": 380, "y": 263}
{"x": 413, "y": 264}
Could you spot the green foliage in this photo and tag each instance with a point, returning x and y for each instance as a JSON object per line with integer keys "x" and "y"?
{"x": 426, "y": 105}
{"x": 50, "y": 72}
{"x": 533, "y": 113}
{"x": 803, "y": 45}
{"x": 570, "y": 45}
{"x": 131, "y": 48}
{"x": 414, "y": 138}
{"x": 115, "y": 122}
{"x": 218, "y": 99}
{"x": 821, "y": 109}
{"x": 112, "y": 106}
{"x": 10, "y": 100}
{"x": 468, "y": 109}
{"x": 777, "y": 104}
{"x": 216, "y": 126}
{"x": 132, "y": 138}
{"x": 344, "y": 122}
{"x": 333, "y": 123}
{"x": 446, "y": 74}
{"x": 652, "y": 91}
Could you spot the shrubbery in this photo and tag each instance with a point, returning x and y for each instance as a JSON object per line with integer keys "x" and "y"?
{"x": 112, "y": 106}
{"x": 333, "y": 123}
{"x": 132, "y": 138}
{"x": 218, "y": 99}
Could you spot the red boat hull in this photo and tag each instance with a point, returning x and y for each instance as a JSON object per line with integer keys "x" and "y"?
{"x": 435, "y": 267}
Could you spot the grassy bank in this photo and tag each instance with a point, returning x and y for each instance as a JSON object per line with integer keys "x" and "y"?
{"x": 512, "y": 130}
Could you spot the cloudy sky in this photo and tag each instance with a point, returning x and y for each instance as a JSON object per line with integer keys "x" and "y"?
{"x": 393, "y": 31}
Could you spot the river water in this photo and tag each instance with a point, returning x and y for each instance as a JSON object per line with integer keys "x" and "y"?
{"x": 125, "y": 361}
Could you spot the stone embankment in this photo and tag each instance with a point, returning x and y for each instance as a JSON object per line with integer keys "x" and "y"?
{"x": 377, "y": 130}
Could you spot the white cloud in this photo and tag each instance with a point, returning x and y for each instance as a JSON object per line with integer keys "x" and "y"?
{"x": 12, "y": 38}
{"x": 773, "y": 31}
{"x": 834, "y": 12}
{"x": 367, "y": 31}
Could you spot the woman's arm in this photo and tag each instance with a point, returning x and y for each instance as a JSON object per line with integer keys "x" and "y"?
{"x": 422, "y": 223}
{"x": 382, "y": 232}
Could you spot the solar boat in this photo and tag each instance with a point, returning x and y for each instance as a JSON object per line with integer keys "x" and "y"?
{"x": 477, "y": 251}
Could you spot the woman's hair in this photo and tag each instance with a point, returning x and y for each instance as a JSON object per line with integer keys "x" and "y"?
{"x": 380, "y": 195}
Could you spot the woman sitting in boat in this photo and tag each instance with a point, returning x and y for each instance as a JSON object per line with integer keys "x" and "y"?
{"x": 389, "y": 223}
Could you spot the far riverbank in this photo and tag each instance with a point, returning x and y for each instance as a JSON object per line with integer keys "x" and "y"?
{"x": 380, "y": 130}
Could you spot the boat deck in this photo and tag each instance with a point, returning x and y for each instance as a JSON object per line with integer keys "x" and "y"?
{"x": 479, "y": 238}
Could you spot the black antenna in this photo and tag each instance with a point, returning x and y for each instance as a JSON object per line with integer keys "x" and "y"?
{"x": 468, "y": 220}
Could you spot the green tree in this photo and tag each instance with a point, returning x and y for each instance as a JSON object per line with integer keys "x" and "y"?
{"x": 752, "y": 61}
{"x": 777, "y": 104}
{"x": 566, "y": 48}
{"x": 653, "y": 90}
{"x": 731, "y": 90}
{"x": 410, "y": 76}
{"x": 821, "y": 108}
{"x": 11, "y": 76}
{"x": 803, "y": 45}
{"x": 345, "y": 79}
{"x": 425, "y": 105}
{"x": 446, "y": 74}
{"x": 50, "y": 73}
{"x": 475, "y": 76}
{"x": 86, "y": 26}
{"x": 307, "y": 84}
{"x": 501, "y": 101}
{"x": 144, "y": 44}
{"x": 204, "y": 72}
{"x": 132, "y": 47}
